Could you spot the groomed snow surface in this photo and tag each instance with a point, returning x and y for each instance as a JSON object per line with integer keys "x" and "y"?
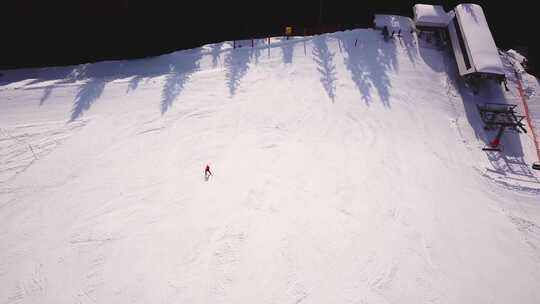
{"x": 342, "y": 174}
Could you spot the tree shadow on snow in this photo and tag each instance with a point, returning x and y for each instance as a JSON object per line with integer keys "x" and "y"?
{"x": 369, "y": 64}
{"x": 287, "y": 50}
{"x": 409, "y": 43}
{"x": 325, "y": 65}
{"x": 134, "y": 83}
{"x": 215, "y": 52}
{"x": 237, "y": 64}
{"x": 256, "y": 53}
{"x": 179, "y": 74}
{"x": 178, "y": 67}
{"x": 360, "y": 76}
{"x": 402, "y": 29}
{"x": 87, "y": 94}
{"x": 46, "y": 94}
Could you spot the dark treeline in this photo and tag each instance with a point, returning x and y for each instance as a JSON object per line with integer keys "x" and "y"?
{"x": 45, "y": 33}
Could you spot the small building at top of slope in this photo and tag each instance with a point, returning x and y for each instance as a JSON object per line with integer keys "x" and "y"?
{"x": 430, "y": 17}
{"x": 431, "y": 22}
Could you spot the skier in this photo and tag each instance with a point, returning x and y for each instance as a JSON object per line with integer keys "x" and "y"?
{"x": 207, "y": 172}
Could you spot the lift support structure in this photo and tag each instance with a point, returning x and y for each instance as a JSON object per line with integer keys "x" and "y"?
{"x": 500, "y": 117}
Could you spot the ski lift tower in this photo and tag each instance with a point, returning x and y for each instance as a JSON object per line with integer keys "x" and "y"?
{"x": 500, "y": 116}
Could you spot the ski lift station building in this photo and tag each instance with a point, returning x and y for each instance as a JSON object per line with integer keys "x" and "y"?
{"x": 472, "y": 43}
{"x": 430, "y": 17}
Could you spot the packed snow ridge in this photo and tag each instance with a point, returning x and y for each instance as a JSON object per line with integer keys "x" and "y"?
{"x": 346, "y": 169}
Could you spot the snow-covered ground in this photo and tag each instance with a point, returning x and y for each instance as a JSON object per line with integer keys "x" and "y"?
{"x": 346, "y": 169}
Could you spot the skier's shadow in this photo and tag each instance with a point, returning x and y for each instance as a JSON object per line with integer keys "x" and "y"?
{"x": 206, "y": 177}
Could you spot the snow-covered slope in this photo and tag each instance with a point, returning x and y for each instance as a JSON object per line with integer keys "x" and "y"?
{"x": 346, "y": 170}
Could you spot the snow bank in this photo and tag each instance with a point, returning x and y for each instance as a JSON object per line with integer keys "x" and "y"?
{"x": 517, "y": 60}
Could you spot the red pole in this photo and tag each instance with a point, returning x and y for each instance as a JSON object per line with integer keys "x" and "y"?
{"x": 495, "y": 143}
{"x": 527, "y": 115}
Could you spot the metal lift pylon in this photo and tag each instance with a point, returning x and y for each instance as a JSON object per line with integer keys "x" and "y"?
{"x": 500, "y": 116}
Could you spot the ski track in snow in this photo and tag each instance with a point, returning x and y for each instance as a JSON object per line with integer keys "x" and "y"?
{"x": 22, "y": 145}
{"x": 346, "y": 170}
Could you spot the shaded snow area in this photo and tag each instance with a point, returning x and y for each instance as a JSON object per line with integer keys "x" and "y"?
{"x": 346, "y": 169}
